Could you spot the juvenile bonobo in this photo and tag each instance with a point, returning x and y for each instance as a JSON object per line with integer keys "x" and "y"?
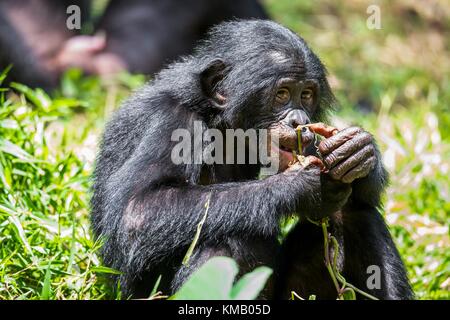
{"x": 246, "y": 75}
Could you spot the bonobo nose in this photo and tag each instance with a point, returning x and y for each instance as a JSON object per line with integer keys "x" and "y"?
{"x": 296, "y": 118}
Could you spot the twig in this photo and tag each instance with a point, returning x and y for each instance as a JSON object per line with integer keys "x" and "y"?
{"x": 299, "y": 140}
{"x": 327, "y": 254}
{"x": 336, "y": 277}
{"x": 197, "y": 234}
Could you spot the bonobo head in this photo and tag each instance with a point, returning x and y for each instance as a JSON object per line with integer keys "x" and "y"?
{"x": 258, "y": 74}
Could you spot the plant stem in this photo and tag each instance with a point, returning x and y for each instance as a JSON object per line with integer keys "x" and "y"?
{"x": 332, "y": 268}
{"x": 299, "y": 140}
{"x": 327, "y": 255}
{"x": 197, "y": 234}
{"x": 367, "y": 295}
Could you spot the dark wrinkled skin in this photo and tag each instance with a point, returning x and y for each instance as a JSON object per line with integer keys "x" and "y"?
{"x": 349, "y": 154}
{"x": 287, "y": 139}
{"x": 334, "y": 194}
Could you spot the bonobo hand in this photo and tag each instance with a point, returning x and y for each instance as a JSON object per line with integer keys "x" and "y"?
{"x": 88, "y": 53}
{"x": 349, "y": 154}
{"x": 316, "y": 194}
{"x": 334, "y": 195}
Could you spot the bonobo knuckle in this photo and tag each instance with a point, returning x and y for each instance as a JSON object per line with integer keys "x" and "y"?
{"x": 324, "y": 146}
{"x": 330, "y": 159}
{"x": 334, "y": 174}
{"x": 309, "y": 173}
{"x": 356, "y": 129}
{"x": 348, "y": 179}
{"x": 366, "y": 135}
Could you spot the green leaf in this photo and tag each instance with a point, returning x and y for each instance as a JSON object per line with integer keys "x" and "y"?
{"x": 212, "y": 281}
{"x": 5, "y": 176}
{"x": 155, "y": 287}
{"x": 46, "y": 288}
{"x": 20, "y": 232}
{"x": 72, "y": 246}
{"x": 7, "y": 146}
{"x": 38, "y": 97}
{"x": 102, "y": 269}
{"x": 349, "y": 295}
{"x": 251, "y": 284}
{"x": 4, "y": 73}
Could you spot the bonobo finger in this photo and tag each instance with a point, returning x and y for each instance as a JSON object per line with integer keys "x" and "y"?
{"x": 360, "y": 171}
{"x": 295, "y": 167}
{"x": 313, "y": 160}
{"x": 360, "y": 156}
{"x": 308, "y": 162}
{"x": 328, "y": 145}
{"x": 347, "y": 149}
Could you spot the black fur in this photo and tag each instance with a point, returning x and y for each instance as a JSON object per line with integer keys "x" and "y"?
{"x": 150, "y": 34}
{"x": 145, "y": 34}
{"x": 147, "y": 209}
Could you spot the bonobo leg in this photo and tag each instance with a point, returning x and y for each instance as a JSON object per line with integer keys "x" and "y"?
{"x": 364, "y": 241}
{"x": 301, "y": 266}
{"x": 369, "y": 243}
{"x": 248, "y": 253}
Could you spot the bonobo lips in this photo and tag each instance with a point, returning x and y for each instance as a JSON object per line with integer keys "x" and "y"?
{"x": 288, "y": 143}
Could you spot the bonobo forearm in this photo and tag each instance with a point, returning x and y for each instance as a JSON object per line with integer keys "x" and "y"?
{"x": 234, "y": 209}
{"x": 265, "y": 201}
{"x": 252, "y": 207}
{"x": 374, "y": 184}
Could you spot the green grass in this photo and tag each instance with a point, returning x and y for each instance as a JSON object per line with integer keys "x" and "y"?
{"x": 47, "y": 250}
{"x": 48, "y": 145}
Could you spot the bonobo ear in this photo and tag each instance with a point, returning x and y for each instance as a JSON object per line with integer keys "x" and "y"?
{"x": 209, "y": 78}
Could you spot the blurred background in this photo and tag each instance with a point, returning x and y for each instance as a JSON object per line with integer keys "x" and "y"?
{"x": 64, "y": 84}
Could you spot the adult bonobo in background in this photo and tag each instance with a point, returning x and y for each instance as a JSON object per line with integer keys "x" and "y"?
{"x": 247, "y": 74}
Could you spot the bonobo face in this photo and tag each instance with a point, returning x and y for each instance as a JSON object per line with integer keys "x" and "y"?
{"x": 272, "y": 81}
{"x": 295, "y": 102}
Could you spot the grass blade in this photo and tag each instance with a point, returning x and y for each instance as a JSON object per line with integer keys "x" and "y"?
{"x": 46, "y": 288}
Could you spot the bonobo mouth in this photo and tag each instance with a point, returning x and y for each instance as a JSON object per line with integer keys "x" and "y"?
{"x": 288, "y": 144}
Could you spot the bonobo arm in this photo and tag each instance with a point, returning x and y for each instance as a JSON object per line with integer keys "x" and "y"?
{"x": 373, "y": 184}
{"x": 372, "y": 262}
{"x": 14, "y": 51}
{"x": 353, "y": 157}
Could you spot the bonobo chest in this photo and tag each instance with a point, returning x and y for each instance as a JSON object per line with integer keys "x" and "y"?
{"x": 221, "y": 173}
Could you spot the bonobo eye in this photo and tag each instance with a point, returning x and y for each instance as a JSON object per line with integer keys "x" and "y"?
{"x": 283, "y": 96}
{"x": 307, "y": 97}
